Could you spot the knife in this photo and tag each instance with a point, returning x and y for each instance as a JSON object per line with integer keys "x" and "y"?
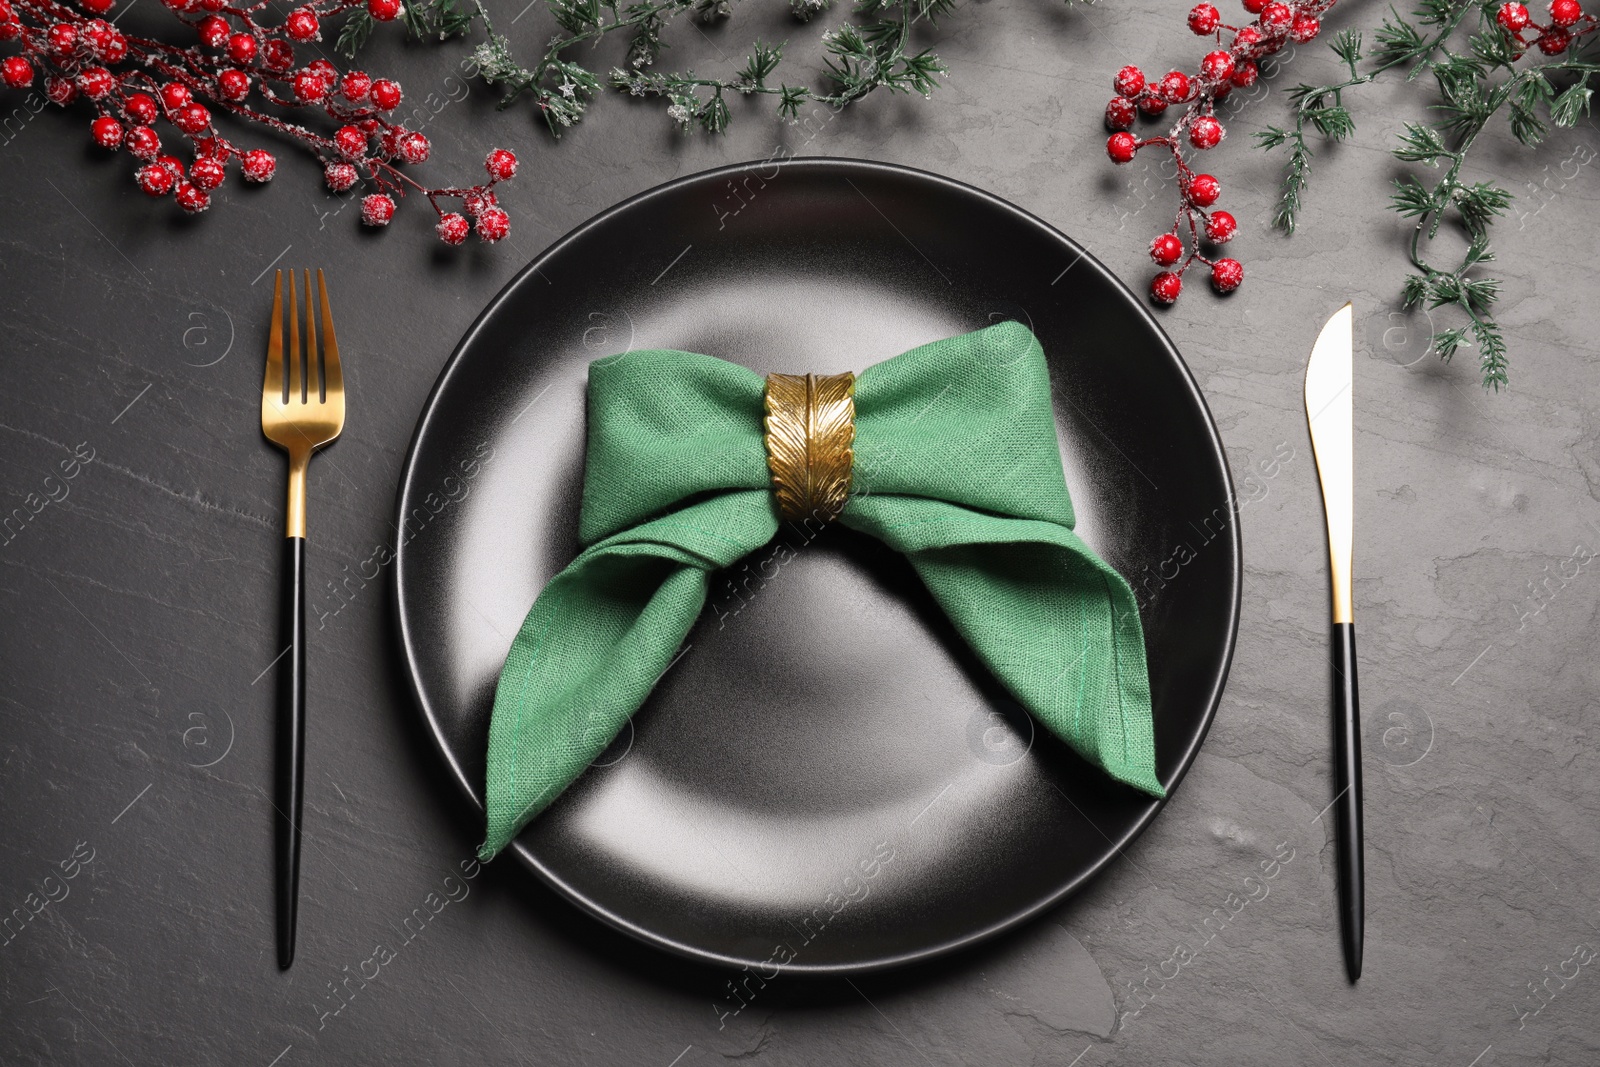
{"x": 1329, "y": 411}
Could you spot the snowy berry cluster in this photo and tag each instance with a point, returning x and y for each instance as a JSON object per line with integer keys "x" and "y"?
{"x": 1197, "y": 127}
{"x": 242, "y": 68}
{"x": 1567, "y": 22}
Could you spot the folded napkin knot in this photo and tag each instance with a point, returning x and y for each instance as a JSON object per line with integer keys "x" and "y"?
{"x": 811, "y": 424}
{"x": 949, "y": 454}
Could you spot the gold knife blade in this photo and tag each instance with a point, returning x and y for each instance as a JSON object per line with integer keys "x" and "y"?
{"x": 1330, "y": 412}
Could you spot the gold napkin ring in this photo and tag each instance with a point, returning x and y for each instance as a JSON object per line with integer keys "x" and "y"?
{"x": 811, "y": 428}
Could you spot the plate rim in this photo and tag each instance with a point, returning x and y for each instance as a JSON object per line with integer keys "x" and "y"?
{"x": 844, "y": 166}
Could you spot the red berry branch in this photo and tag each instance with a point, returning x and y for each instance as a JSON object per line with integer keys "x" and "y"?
{"x": 1567, "y": 22}
{"x": 246, "y": 69}
{"x": 1221, "y": 71}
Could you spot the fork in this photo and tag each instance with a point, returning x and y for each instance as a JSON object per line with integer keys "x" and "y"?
{"x": 301, "y": 411}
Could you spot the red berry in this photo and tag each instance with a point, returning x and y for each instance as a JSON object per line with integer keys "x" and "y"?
{"x": 182, "y": 7}
{"x": 17, "y": 72}
{"x": 105, "y": 41}
{"x": 1121, "y": 147}
{"x": 1218, "y": 66}
{"x": 1206, "y": 132}
{"x": 1254, "y": 6}
{"x": 477, "y": 203}
{"x": 208, "y": 173}
{"x": 1564, "y": 13}
{"x": 302, "y": 24}
{"x": 339, "y": 176}
{"x": 141, "y": 107}
{"x": 1129, "y": 82}
{"x": 350, "y": 141}
{"x": 62, "y": 38}
{"x": 107, "y": 131}
{"x": 1174, "y": 87}
{"x": 214, "y": 30}
{"x": 175, "y": 95}
{"x": 501, "y": 165}
{"x": 326, "y": 69}
{"x": 383, "y": 10}
{"x": 414, "y": 148}
{"x": 95, "y": 83}
{"x": 377, "y": 209}
{"x": 277, "y": 55}
{"x": 10, "y": 29}
{"x": 143, "y": 143}
{"x": 242, "y": 48}
{"x": 155, "y": 179}
{"x": 1304, "y": 28}
{"x": 1553, "y": 42}
{"x": 1249, "y": 37}
{"x": 1166, "y": 249}
{"x": 1165, "y": 287}
{"x": 173, "y": 165}
{"x": 386, "y": 94}
{"x": 1221, "y": 227}
{"x": 493, "y": 224}
{"x": 96, "y": 7}
{"x": 60, "y": 91}
{"x": 1204, "y": 19}
{"x": 1152, "y": 104}
{"x": 1226, "y": 274}
{"x": 1276, "y": 16}
{"x": 1244, "y": 73}
{"x": 355, "y": 86}
{"x": 453, "y": 228}
{"x": 1512, "y": 16}
{"x": 309, "y": 87}
{"x": 213, "y": 5}
{"x": 258, "y": 165}
{"x": 191, "y": 118}
{"x": 233, "y": 85}
{"x": 1120, "y": 113}
{"x": 192, "y": 198}
{"x": 1204, "y": 190}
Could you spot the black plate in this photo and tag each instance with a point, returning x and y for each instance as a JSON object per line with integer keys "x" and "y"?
{"x": 826, "y": 769}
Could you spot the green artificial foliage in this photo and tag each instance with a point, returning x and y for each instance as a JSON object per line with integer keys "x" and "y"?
{"x": 1480, "y": 72}
{"x": 872, "y": 50}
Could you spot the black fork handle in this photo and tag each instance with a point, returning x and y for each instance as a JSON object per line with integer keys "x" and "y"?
{"x": 291, "y": 742}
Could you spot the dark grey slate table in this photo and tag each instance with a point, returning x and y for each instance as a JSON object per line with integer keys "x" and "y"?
{"x": 138, "y": 620}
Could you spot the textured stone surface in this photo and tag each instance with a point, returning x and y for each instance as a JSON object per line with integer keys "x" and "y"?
{"x": 137, "y": 619}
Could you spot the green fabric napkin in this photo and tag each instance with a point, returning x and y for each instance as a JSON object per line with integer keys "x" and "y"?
{"x": 957, "y": 466}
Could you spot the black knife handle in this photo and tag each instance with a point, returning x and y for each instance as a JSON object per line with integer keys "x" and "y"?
{"x": 1347, "y": 803}
{"x": 289, "y": 770}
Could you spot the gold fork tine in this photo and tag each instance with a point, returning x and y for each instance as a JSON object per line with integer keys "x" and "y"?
{"x": 313, "y": 382}
{"x": 296, "y": 394}
{"x": 332, "y": 373}
{"x": 272, "y": 386}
